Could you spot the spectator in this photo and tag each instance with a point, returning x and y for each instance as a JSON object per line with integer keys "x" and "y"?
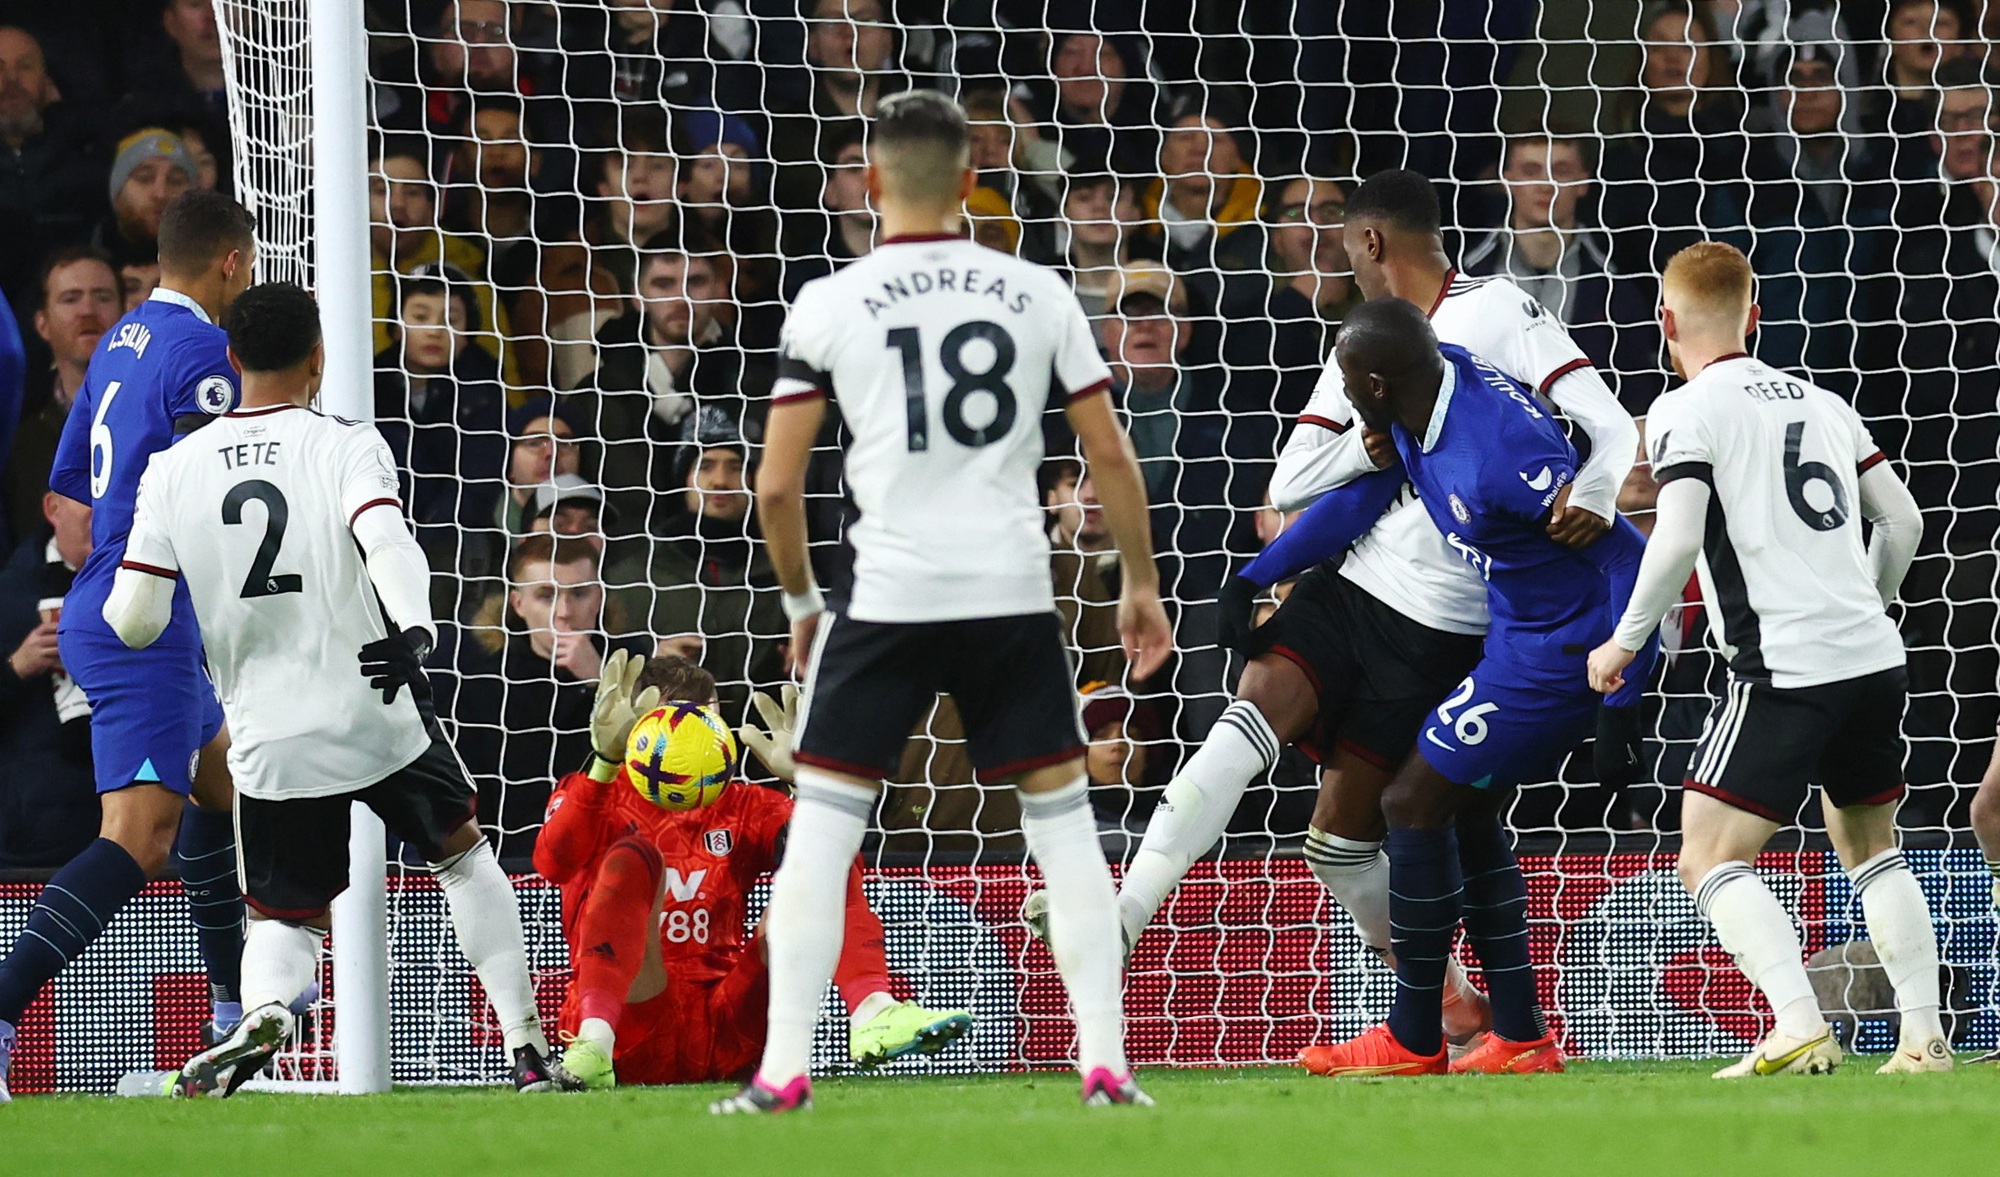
{"x": 712, "y": 581}
{"x": 1675, "y": 175}
{"x": 48, "y": 807}
{"x": 151, "y": 168}
{"x": 136, "y": 282}
{"x": 1206, "y": 201}
{"x": 439, "y": 405}
{"x": 635, "y": 195}
{"x": 1286, "y": 325}
{"x": 992, "y": 221}
{"x": 207, "y": 144}
{"x": 1123, "y": 735}
{"x": 406, "y": 238}
{"x": 659, "y": 54}
{"x": 1084, "y": 567}
{"x": 545, "y": 446}
{"x": 78, "y": 303}
{"x": 571, "y": 506}
{"x": 1102, "y": 115}
{"x": 468, "y": 52}
{"x": 1922, "y": 35}
{"x": 843, "y": 230}
{"x": 187, "y": 77}
{"x": 851, "y": 54}
{"x": 720, "y": 188}
{"x": 1092, "y": 236}
{"x": 495, "y": 207}
{"x": 51, "y": 175}
{"x": 1024, "y": 170}
{"x": 656, "y": 365}
{"x": 1546, "y": 247}
{"x": 521, "y": 732}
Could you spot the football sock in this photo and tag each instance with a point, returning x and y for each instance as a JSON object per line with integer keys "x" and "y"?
{"x": 205, "y": 859}
{"x": 862, "y": 971}
{"x": 279, "y": 961}
{"x": 1425, "y": 893}
{"x": 1357, "y": 876}
{"x": 612, "y": 928}
{"x": 1194, "y": 810}
{"x": 1083, "y": 919}
{"x": 1899, "y": 923}
{"x": 1755, "y": 930}
{"x": 803, "y": 927}
{"x": 1496, "y": 923}
{"x": 70, "y": 913}
{"x": 487, "y": 920}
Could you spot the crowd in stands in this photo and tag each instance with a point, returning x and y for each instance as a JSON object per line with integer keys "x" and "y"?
{"x": 588, "y": 217}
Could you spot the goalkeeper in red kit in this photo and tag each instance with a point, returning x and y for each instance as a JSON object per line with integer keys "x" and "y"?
{"x": 670, "y": 985}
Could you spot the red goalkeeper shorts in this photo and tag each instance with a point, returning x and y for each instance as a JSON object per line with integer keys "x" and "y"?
{"x": 704, "y": 1031}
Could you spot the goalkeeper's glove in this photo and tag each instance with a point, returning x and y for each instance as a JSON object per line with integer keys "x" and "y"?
{"x": 616, "y": 710}
{"x": 391, "y": 663}
{"x": 775, "y": 750}
{"x": 1236, "y": 610}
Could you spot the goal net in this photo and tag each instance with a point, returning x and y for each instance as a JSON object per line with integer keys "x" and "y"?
{"x": 588, "y": 220}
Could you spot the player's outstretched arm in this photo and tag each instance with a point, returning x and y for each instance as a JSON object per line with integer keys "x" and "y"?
{"x": 789, "y": 431}
{"x": 1663, "y": 573}
{"x": 142, "y": 593}
{"x": 1899, "y": 527}
{"x": 1327, "y": 528}
{"x": 402, "y": 579}
{"x": 1114, "y": 469}
{"x": 1585, "y": 398}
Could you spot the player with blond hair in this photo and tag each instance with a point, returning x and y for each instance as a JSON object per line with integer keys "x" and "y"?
{"x": 1763, "y": 477}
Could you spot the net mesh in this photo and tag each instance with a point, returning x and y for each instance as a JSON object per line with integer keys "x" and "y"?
{"x": 621, "y": 199}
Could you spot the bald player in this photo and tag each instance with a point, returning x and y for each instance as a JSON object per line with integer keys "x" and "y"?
{"x": 1764, "y": 478}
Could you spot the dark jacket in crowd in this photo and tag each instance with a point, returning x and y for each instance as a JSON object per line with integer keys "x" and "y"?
{"x": 449, "y": 437}
{"x": 48, "y": 802}
{"x": 1674, "y": 181}
{"x": 55, "y": 183}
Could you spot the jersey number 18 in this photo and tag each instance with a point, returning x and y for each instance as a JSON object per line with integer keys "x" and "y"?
{"x": 963, "y": 384}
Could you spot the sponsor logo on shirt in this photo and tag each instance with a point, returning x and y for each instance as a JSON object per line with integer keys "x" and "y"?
{"x": 684, "y": 889}
{"x": 1538, "y": 482}
{"x": 214, "y": 395}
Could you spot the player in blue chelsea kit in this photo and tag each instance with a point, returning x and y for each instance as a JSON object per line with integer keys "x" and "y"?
{"x": 1489, "y": 465}
{"x": 155, "y": 721}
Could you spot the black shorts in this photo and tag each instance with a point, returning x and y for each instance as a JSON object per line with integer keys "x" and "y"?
{"x": 1764, "y": 746}
{"x": 872, "y": 681}
{"x": 1378, "y": 673}
{"x": 293, "y": 854}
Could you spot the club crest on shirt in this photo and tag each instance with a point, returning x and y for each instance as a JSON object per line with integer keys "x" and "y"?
{"x": 1458, "y": 510}
{"x": 215, "y": 395}
{"x": 718, "y": 842}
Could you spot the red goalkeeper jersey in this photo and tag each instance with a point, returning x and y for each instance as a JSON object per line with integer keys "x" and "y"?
{"x": 712, "y": 857}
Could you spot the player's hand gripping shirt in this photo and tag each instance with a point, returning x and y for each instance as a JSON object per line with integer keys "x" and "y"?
{"x": 253, "y": 515}
{"x": 162, "y": 370}
{"x": 1487, "y": 471}
{"x": 1403, "y": 561}
{"x": 941, "y": 356}
{"x": 1784, "y": 570}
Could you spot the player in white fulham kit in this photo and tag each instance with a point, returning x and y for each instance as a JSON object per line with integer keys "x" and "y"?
{"x": 1359, "y": 654}
{"x": 287, "y": 528}
{"x": 940, "y": 356}
{"x": 1765, "y": 479}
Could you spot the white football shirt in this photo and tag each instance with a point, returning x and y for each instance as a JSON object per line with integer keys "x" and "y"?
{"x": 253, "y": 512}
{"x": 1403, "y": 561}
{"x": 1784, "y": 571}
{"x": 940, "y": 356}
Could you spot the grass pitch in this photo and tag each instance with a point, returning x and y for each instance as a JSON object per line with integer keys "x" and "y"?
{"x": 1603, "y": 1119}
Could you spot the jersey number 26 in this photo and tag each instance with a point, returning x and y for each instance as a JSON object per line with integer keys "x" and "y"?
{"x": 963, "y": 384}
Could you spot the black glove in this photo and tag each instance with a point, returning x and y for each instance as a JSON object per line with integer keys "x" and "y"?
{"x": 1619, "y": 753}
{"x": 1236, "y": 609}
{"x": 392, "y": 662}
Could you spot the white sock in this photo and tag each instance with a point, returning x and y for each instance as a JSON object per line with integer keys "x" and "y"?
{"x": 1754, "y": 928}
{"x": 871, "y": 1007}
{"x": 1899, "y": 923}
{"x": 279, "y": 961}
{"x": 1357, "y": 875}
{"x": 803, "y": 925}
{"x": 487, "y": 919}
{"x": 1083, "y": 919}
{"x": 598, "y": 1032}
{"x": 1194, "y": 811}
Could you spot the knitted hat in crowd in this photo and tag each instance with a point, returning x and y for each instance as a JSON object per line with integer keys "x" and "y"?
{"x": 142, "y": 147}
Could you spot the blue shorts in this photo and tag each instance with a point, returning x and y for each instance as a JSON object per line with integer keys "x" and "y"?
{"x": 1506, "y": 726}
{"x": 151, "y": 711}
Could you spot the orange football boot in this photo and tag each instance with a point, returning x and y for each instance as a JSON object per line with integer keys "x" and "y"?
{"x": 1497, "y": 1056}
{"x": 1373, "y": 1054}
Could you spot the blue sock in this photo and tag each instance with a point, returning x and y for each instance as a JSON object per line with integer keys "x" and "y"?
{"x": 1496, "y": 922}
{"x": 205, "y": 856}
{"x": 70, "y": 913}
{"x": 1424, "y": 897}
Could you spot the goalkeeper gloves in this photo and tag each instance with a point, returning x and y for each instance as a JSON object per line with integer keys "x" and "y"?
{"x": 1235, "y": 614}
{"x": 616, "y": 710}
{"x": 775, "y": 750}
{"x": 391, "y": 663}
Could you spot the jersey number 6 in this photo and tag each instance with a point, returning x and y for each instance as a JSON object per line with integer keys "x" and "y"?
{"x": 1799, "y": 475}
{"x": 963, "y": 384}
{"x": 277, "y": 513}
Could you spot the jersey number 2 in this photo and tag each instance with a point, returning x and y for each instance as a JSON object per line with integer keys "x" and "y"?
{"x": 277, "y": 513}
{"x": 963, "y": 384}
